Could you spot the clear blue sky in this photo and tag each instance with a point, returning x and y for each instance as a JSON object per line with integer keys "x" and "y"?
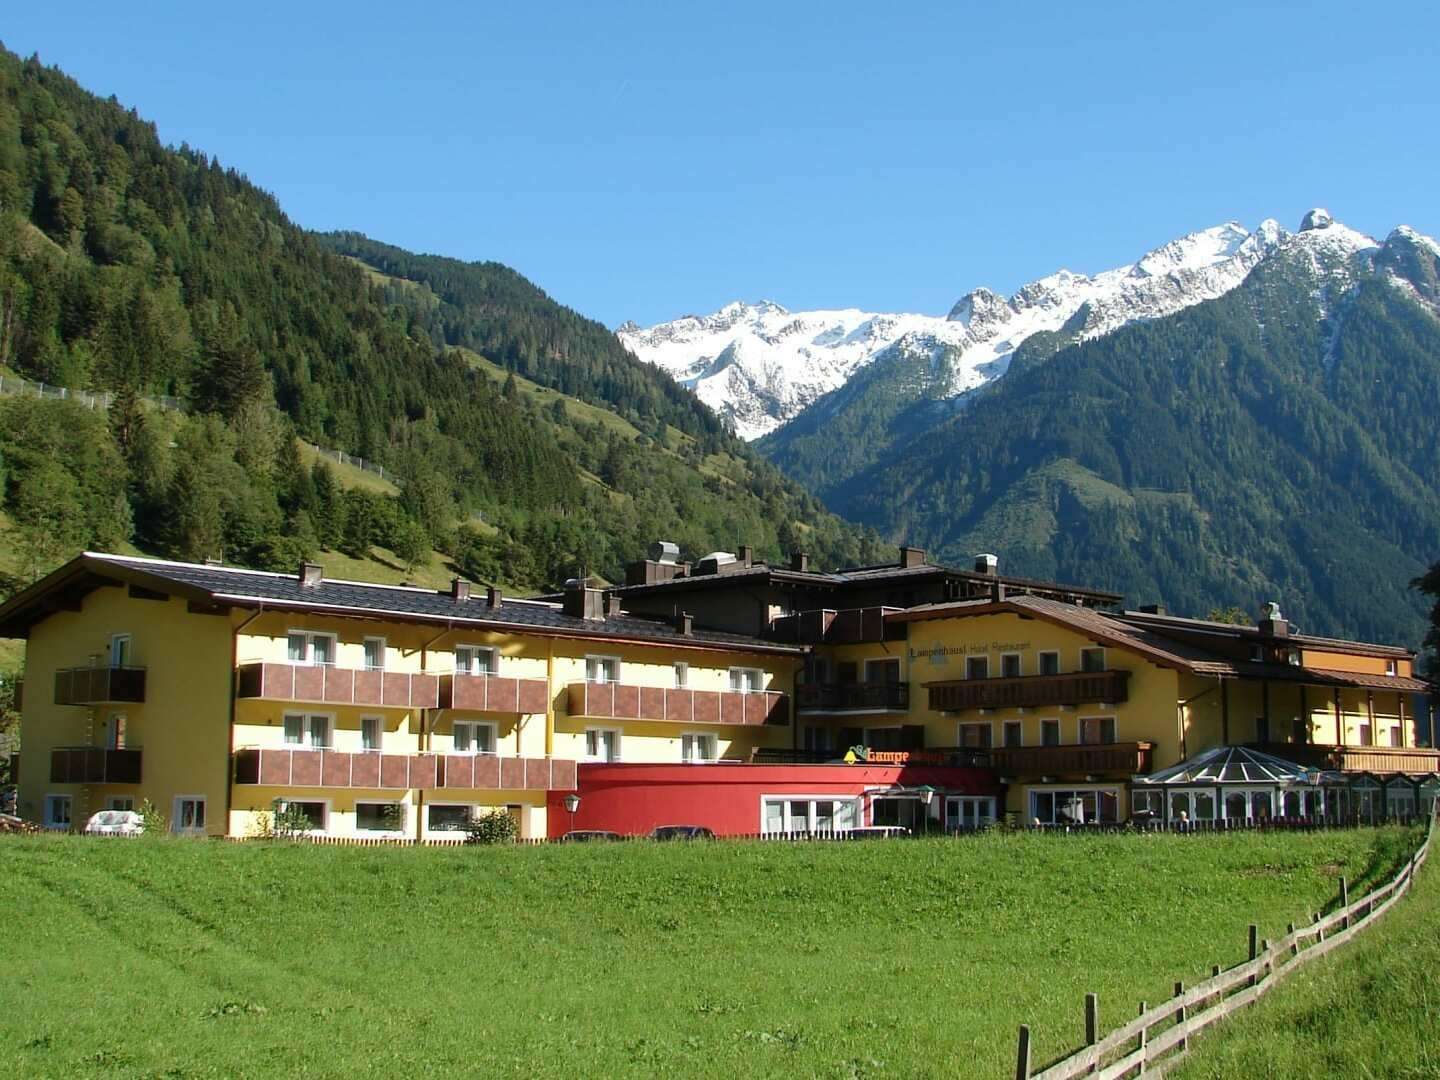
{"x": 649, "y": 160}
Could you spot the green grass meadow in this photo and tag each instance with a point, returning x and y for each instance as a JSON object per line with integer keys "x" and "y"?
{"x": 174, "y": 958}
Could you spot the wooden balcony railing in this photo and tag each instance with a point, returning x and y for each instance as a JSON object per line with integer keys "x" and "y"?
{"x": 1373, "y": 759}
{"x": 841, "y": 697}
{"x": 99, "y": 685}
{"x": 325, "y": 684}
{"x": 492, "y": 693}
{"x": 1073, "y": 759}
{"x": 830, "y": 626}
{"x": 94, "y": 765}
{"x": 297, "y": 767}
{"x": 1029, "y": 691}
{"x": 620, "y": 701}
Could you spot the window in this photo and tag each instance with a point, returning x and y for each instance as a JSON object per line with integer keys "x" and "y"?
{"x": 1097, "y": 729}
{"x": 1010, "y": 665}
{"x": 310, "y": 648}
{"x": 476, "y": 660}
{"x": 1014, "y": 733}
{"x": 115, "y": 731}
{"x": 1389, "y": 667}
{"x": 447, "y": 818}
{"x": 602, "y": 669}
{"x": 374, "y": 654}
{"x": 1049, "y": 663}
{"x": 120, "y": 650}
{"x": 1148, "y": 804}
{"x": 120, "y": 802}
{"x": 1049, "y": 732}
{"x": 966, "y": 814}
{"x": 682, "y": 674}
{"x": 372, "y": 732}
{"x": 699, "y": 747}
{"x": 1292, "y": 657}
{"x": 975, "y": 736}
{"x": 315, "y": 813}
{"x": 1365, "y": 739}
{"x": 781, "y": 816}
{"x": 747, "y": 680}
{"x": 602, "y": 744}
{"x": 1092, "y": 660}
{"x": 189, "y": 814}
{"x": 1396, "y": 736}
{"x": 307, "y": 730}
{"x": 1076, "y": 807}
{"x": 977, "y": 667}
{"x": 474, "y": 737}
{"x": 885, "y": 671}
{"x": 57, "y": 811}
{"x": 384, "y": 817}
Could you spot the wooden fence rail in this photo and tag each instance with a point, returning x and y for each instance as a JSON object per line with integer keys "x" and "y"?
{"x": 1164, "y": 1031}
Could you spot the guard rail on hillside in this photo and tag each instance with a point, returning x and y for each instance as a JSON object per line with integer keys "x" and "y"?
{"x": 1164, "y": 1032}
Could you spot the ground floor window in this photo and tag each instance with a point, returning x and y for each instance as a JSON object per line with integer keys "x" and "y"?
{"x": 1147, "y": 804}
{"x": 699, "y": 747}
{"x": 965, "y": 812}
{"x": 57, "y": 811}
{"x": 120, "y": 802}
{"x": 1077, "y": 806}
{"x": 189, "y": 814}
{"x": 385, "y": 817}
{"x": 602, "y": 744}
{"x": 805, "y": 814}
{"x": 315, "y": 814}
{"x": 442, "y": 817}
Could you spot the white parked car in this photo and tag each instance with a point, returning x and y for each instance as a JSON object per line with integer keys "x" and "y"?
{"x": 115, "y": 823}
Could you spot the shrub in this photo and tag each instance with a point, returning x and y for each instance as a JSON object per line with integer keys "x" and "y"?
{"x": 493, "y": 827}
{"x": 155, "y": 823}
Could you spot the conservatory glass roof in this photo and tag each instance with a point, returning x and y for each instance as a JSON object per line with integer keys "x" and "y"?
{"x": 1231, "y": 765}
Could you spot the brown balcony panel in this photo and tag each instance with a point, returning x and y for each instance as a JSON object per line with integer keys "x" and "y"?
{"x": 619, "y": 701}
{"x": 1116, "y": 759}
{"x": 485, "y": 771}
{"x": 99, "y": 686}
{"x": 329, "y": 685}
{"x": 94, "y": 765}
{"x": 283, "y": 767}
{"x": 1374, "y": 759}
{"x": 860, "y": 696}
{"x": 1030, "y": 691}
{"x": 512, "y": 773}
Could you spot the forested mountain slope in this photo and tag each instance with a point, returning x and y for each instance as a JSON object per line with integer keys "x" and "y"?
{"x": 130, "y": 266}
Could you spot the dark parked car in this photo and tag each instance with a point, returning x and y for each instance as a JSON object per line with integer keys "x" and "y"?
{"x": 586, "y": 836}
{"x": 876, "y": 832}
{"x": 681, "y": 832}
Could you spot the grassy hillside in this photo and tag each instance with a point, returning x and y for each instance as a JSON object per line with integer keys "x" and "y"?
{"x": 732, "y": 959}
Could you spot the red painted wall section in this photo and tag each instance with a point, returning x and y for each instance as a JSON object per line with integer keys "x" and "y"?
{"x": 633, "y": 799}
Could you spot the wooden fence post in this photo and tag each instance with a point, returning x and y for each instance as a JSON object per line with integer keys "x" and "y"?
{"x": 1345, "y": 903}
{"x": 1180, "y": 1016}
{"x": 1144, "y": 1040}
{"x": 1269, "y": 960}
{"x": 1320, "y": 933}
{"x": 1022, "y": 1055}
{"x": 1092, "y": 1019}
{"x": 1294, "y": 944}
{"x": 1254, "y": 943}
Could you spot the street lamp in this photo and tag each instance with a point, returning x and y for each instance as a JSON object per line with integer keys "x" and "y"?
{"x": 572, "y": 803}
{"x": 927, "y": 796}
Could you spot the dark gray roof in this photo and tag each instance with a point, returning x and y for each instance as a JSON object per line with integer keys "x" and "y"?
{"x": 256, "y": 588}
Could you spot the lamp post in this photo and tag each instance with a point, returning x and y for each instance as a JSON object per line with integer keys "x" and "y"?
{"x": 572, "y": 803}
{"x": 927, "y": 796}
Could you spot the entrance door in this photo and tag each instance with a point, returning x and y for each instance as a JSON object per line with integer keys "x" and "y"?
{"x": 968, "y": 813}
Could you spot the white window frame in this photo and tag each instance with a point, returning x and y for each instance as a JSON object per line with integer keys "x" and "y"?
{"x": 751, "y": 679}
{"x": 874, "y": 662}
{"x": 616, "y": 737}
{"x": 379, "y": 722}
{"x": 960, "y": 727}
{"x": 473, "y": 728}
{"x": 310, "y": 636}
{"x": 403, "y": 830}
{"x": 1005, "y": 727}
{"x": 55, "y": 800}
{"x": 384, "y": 650}
{"x": 984, "y": 807}
{"x": 984, "y": 659}
{"x": 473, "y": 812}
{"x": 697, "y": 736}
{"x": 177, "y": 815}
{"x": 1104, "y": 659}
{"x": 1391, "y": 667}
{"x": 1040, "y": 661}
{"x": 111, "y": 800}
{"x": 125, "y": 642}
{"x": 596, "y": 663}
{"x": 305, "y": 742}
{"x": 1019, "y": 664}
{"x": 1059, "y": 722}
{"x": 474, "y": 652}
{"x": 324, "y": 829}
{"x": 1074, "y": 789}
{"x": 787, "y": 828}
{"x": 1080, "y": 729}
{"x": 113, "y": 723}
{"x": 681, "y": 670}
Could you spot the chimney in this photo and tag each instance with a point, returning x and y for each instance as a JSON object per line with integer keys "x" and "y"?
{"x": 311, "y": 574}
{"x": 492, "y": 597}
{"x": 1271, "y": 623}
{"x": 612, "y": 605}
{"x": 583, "y": 602}
{"x": 799, "y": 560}
{"x": 987, "y": 564}
{"x": 459, "y": 590}
{"x": 997, "y": 592}
{"x": 746, "y": 554}
{"x": 911, "y": 556}
{"x": 684, "y": 622}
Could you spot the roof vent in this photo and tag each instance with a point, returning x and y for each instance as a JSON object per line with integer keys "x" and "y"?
{"x": 612, "y": 605}
{"x": 492, "y": 597}
{"x": 1272, "y": 623}
{"x": 911, "y": 556}
{"x": 800, "y": 560}
{"x": 311, "y": 574}
{"x": 1151, "y": 609}
{"x": 746, "y": 555}
{"x": 459, "y": 590}
{"x": 717, "y": 562}
{"x": 985, "y": 563}
{"x": 684, "y": 623}
{"x": 583, "y": 602}
{"x": 663, "y": 551}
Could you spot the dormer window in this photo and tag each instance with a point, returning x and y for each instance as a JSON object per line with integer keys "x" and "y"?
{"x": 1390, "y": 668}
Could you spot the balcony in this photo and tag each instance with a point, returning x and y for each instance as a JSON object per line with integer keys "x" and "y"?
{"x": 99, "y": 686}
{"x": 619, "y": 701}
{"x": 847, "y": 697}
{"x": 292, "y": 767}
{"x": 492, "y": 693}
{"x": 1030, "y": 691}
{"x": 1073, "y": 759}
{"x": 94, "y": 765}
{"x": 828, "y": 626}
{"x": 1372, "y": 759}
{"x": 324, "y": 684}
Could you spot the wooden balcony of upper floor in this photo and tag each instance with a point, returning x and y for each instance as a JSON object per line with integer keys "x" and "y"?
{"x": 831, "y": 626}
{"x": 493, "y": 693}
{"x": 1030, "y": 691}
{"x": 326, "y": 684}
{"x": 94, "y": 765}
{"x": 321, "y": 767}
{"x": 1070, "y": 760}
{"x": 623, "y": 701}
{"x": 1371, "y": 759}
{"x": 100, "y": 686}
{"x": 838, "y": 697}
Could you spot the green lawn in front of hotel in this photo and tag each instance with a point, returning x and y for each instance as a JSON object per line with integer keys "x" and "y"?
{"x": 892, "y": 958}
